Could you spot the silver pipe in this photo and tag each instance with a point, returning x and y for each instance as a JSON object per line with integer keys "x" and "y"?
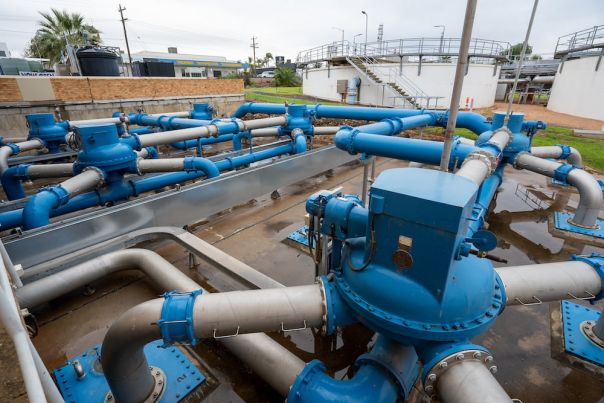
{"x": 478, "y": 165}
{"x": 464, "y": 140}
{"x": 476, "y": 170}
{"x": 143, "y": 153}
{"x": 520, "y": 60}
{"x": 10, "y": 268}
{"x": 536, "y": 283}
{"x": 173, "y": 136}
{"x": 83, "y": 182}
{"x": 50, "y": 388}
{"x": 6, "y": 152}
{"x": 590, "y": 193}
{"x": 470, "y": 381}
{"x": 50, "y": 171}
{"x": 18, "y": 334}
{"x": 265, "y": 132}
{"x": 325, "y": 130}
{"x": 160, "y": 165}
{"x": 278, "y": 366}
{"x": 574, "y": 158}
{"x": 598, "y": 328}
{"x": 86, "y": 122}
{"x": 460, "y": 71}
{"x": 251, "y": 311}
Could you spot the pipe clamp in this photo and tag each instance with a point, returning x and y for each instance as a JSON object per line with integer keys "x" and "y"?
{"x": 561, "y": 173}
{"x": 485, "y": 157}
{"x": 14, "y": 147}
{"x": 566, "y": 151}
{"x": 176, "y": 321}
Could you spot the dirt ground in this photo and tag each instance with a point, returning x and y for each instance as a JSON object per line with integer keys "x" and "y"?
{"x": 540, "y": 112}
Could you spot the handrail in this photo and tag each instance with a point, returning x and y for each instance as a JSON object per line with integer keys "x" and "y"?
{"x": 587, "y": 40}
{"x": 445, "y": 47}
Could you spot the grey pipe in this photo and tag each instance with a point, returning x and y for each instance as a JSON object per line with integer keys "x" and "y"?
{"x": 574, "y": 157}
{"x": 10, "y": 267}
{"x": 478, "y": 165}
{"x": 278, "y": 366}
{"x": 86, "y": 122}
{"x": 265, "y": 132}
{"x": 469, "y": 381}
{"x": 325, "y": 130}
{"x": 181, "y": 114}
{"x": 215, "y": 315}
{"x": 590, "y": 193}
{"x": 536, "y": 283}
{"x": 160, "y": 165}
{"x": 598, "y": 328}
{"x": 50, "y": 388}
{"x": 83, "y": 182}
{"x": 6, "y": 152}
{"x": 50, "y": 171}
{"x": 460, "y": 71}
{"x": 18, "y": 334}
{"x": 173, "y": 136}
{"x": 467, "y": 141}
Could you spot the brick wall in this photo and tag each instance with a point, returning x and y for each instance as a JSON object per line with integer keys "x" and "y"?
{"x": 113, "y": 88}
{"x": 9, "y": 90}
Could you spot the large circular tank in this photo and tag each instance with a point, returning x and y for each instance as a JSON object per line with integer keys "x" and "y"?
{"x": 98, "y": 62}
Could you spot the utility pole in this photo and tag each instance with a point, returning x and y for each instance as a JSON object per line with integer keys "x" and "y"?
{"x": 254, "y": 46}
{"x": 121, "y": 10}
{"x": 366, "y": 24}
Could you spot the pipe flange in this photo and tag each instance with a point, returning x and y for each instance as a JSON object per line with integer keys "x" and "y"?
{"x": 596, "y": 226}
{"x": 158, "y": 389}
{"x": 517, "y": 157}
{"x": 465, "y": 355}
{"x": 587, "y": 327}
{"x": 99, "y": 172}
{"x": 485, "y": 157}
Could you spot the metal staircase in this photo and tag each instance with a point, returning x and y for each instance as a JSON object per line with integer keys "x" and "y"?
{"x": 403, "y": 89}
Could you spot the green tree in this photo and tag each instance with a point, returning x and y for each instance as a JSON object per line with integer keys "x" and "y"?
{"x": 58, "y": 28}
{"x": 516, "y": 49}
{"x": 286, "y": 78}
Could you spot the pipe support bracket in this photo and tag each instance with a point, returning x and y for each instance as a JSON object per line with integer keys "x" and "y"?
{"x": 597, "y": 262}
{"x": 176, "y": 321}
{"x": 561, "y": 173}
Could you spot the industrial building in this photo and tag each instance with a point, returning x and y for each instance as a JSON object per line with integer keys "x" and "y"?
{"x": 164, "y": 240}
{"x": 188, "y": 65}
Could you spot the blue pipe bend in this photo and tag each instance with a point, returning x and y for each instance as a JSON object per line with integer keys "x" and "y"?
{"x": 196, "y": 164}
{"x": 36, "y": 212}
{"x": 11, "y": 181}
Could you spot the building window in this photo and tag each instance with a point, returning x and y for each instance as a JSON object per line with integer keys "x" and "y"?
{"x": 217, "y": 73}
{"x": 183, "y": 74}
{"x": 195, "y": 74}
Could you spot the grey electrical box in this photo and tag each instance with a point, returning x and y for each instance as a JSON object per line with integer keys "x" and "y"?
{"x": 342, "y": 86}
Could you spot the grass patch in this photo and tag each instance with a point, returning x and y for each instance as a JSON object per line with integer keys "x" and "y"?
{"x": 279, "y": 95}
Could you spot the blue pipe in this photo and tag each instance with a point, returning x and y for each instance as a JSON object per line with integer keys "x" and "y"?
{"x": 424, "y": 151}
{"x": 11, "y": 181}
{"x": 385, "y": 374}
{"x": 36, "y": 212}
{"x": 165, "y": 122}
{"x": 487, "y": 191}
{"x": 466, "y": 120}
{"x": 185, "y": 145}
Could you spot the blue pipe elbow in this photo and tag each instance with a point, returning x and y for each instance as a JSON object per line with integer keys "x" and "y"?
{"x": 37, "y": 210}
{"x": 204, "y": 165}
{"x": 11, "y": 181}
{"x": 300, "y": 143}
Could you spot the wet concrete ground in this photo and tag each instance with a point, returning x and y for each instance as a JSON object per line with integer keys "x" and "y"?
{"x": 254, "y": 233}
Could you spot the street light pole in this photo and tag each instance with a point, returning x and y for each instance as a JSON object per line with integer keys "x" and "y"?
{"x": 341, "y": 30}
{"x": 442, "y": 39}
{"x": 366, "y": 24}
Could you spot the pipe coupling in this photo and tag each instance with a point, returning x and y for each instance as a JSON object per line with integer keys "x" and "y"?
{"x": 176, "y": 321}
{"x": 515, "y": 162}
{"x": 561, "y": 173}
{"x": 566, "y": 151}
{"x": 99, "y": 172}
{"x": 485, "y": 157}
{"x": 482, "y": 356}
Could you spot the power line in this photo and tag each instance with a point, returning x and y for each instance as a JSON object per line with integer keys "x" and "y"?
{"x": 254, "y": 46}
{"x": 121, "y": 10}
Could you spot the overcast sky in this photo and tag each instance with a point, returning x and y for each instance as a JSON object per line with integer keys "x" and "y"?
{"x": 284, "y": 27}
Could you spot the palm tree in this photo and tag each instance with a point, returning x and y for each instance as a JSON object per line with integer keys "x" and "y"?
{"x": 59, "y": 28}
{"x": 285, "y": 77}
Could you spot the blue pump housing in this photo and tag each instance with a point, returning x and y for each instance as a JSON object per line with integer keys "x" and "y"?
{"x": 101, "y": 147}
{"x": 44, "y": 127}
